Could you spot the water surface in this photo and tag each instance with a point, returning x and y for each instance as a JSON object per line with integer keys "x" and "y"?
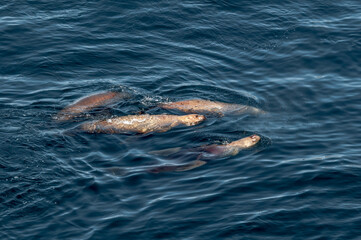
{"x": 298, "y": 61}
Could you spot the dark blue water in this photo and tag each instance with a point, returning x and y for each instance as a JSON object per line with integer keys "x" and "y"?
{"x": 299, "y": 61}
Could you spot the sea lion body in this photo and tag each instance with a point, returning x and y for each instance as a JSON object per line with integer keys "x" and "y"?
{"x": 88, "y": 103}
{"x": 208, "y": 152}
{"x": 141, "y": 123}
{"x": 210, "y": 107}
{"x": 230, "y": 149}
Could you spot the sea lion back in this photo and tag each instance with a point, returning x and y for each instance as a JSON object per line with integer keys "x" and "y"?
{"x": 141, "y": 123}
{"x": 88, "y": 103}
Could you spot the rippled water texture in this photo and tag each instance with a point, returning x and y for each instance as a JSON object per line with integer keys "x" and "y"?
{"x": 298, "y": 61}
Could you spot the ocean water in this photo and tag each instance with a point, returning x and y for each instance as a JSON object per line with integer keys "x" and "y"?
{"x": 298, "y": 60}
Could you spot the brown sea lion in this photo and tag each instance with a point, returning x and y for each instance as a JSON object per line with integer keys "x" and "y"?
{"x": 206, "y": 152}
{"x": 230, "y": 149}
{"x": 141, "y": 123}
{"x": 210, "y": 107}
{"x": 88, "y": 103}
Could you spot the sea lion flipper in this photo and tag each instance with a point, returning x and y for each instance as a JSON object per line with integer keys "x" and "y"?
{"x": 190, "y": 166}
{"x": 166, "y": 152}
{"x": 177, "y": 168}
{"x": 249, "y": 109}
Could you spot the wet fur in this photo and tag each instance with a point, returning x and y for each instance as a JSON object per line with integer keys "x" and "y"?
{"x": 210, "y": 107}
{"x": 88, "y": 103}
{"x": 141, "y": 123}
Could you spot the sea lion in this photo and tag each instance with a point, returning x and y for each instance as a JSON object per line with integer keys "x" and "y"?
{"x": 210, "y": 107}
{"x": 230, "y": 149}
{"x": 206, "y": 153}
{"x": 141, "y": 123}
{"x": 88, "y": 103}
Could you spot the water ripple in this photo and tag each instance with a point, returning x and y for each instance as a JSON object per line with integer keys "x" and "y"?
{"x": 297, "y": 61}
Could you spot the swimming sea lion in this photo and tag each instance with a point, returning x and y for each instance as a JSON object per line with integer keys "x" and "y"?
{"x": 210, "y": 107}
{"x": 207, "y": 152}
{"x": 88, "y": 103}
{"x": 204, "y": 153}
{"x": 141, "y": 123}
{"x": 230, "y": 149}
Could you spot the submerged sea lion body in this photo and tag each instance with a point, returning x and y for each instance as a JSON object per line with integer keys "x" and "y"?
{"x": 210, "y": 107}
{"x": 177, "y": 168}
{"x": 141, "y": 123}
{"x": 208, "y": 152}
{"x": 119, "y": 171}
{"x": 88, "y": 103}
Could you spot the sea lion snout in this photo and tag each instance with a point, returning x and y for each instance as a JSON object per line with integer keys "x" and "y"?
{"x": 255, "y": 138}
{"x": 193, "y": 119}
{"x": 200, "y": 117}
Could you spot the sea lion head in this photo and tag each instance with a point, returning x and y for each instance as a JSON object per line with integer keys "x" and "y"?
{"x": 192, "y": 119}
{"x": 246, "y": 142}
